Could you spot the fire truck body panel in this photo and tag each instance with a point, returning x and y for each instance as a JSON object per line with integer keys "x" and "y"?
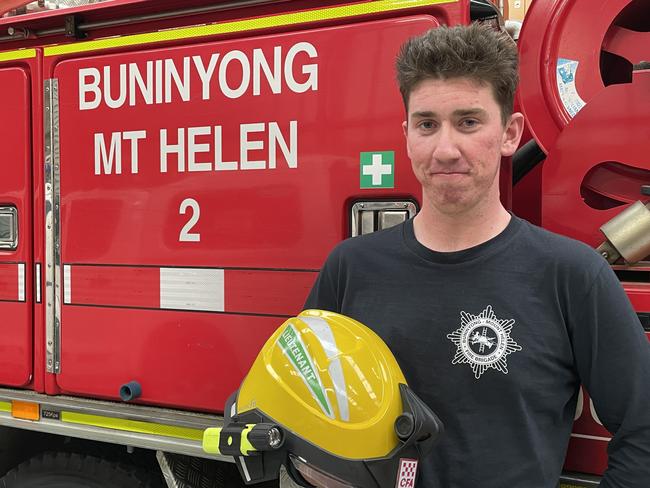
{"x": 201, "y": 186}
{"x": 16, "y": 265}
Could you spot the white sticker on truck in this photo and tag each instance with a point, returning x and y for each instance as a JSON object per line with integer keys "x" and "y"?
{"x": 67, "y": 284}
{"x": 192, "y": 289}
{"x": 566, "y": 86}
{"x": 21, "y": 282}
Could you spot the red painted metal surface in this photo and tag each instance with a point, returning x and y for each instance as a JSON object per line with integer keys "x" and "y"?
{"x": 594, "y": 38}
{"x": 639, "y": 294}
{"x": 27, "y": 113}
{"x": 587, "y": 452}
{"x": 183, "y": 359}
{"x": 609, "y": 136}
{"x": 102, "y": 14}
{"x": 247, "y": 291}
{"x": 9, "y": 282}
{"x": 269, "y": 228}
{"x": 16, "y": 265}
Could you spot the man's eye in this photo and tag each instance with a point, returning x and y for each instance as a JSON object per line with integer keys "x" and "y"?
{"x": 469, "y": 123}
{"x": 426, "y": 124}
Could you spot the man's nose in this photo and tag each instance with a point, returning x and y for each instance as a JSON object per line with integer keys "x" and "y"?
{"x": 446, "y": 149}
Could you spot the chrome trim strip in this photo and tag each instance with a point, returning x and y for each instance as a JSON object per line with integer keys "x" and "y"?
{"x": 115, "y": 410}
{"x": 21, "y": 282}
{"x": 52, "y": 228}
{"x": 37, "y": 281}
{"x": 67, "y": 284}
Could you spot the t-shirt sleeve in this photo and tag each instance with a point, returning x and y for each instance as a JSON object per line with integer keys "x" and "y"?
{"x": 324, "y": 295}
{"x": 612, "y": 355}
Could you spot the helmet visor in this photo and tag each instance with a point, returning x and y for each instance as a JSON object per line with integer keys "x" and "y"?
{"x": 316, "y": 477}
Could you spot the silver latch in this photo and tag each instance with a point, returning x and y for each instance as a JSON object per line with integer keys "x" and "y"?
{"x": 8, "y": 228}
{"x": 367, "y": 217}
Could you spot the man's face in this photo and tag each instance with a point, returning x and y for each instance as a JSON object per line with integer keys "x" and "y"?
{"x": 455, "y": 139}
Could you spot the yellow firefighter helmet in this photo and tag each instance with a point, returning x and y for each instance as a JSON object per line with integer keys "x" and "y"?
{"x": 341, "y": 411}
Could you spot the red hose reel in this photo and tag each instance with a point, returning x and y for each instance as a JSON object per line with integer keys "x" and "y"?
{"x": 585, "y": 93}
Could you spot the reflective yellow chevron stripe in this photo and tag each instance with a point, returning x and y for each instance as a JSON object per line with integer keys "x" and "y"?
{"x": 132, "y": 426}
{"x": 19, "y": 54}
{"x": 294, "y": 18}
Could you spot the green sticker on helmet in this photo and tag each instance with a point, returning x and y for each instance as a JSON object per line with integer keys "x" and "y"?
{"x": 292, "y": 345}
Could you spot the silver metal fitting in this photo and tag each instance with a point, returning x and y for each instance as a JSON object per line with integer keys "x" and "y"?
{"x": 627, "y": 234}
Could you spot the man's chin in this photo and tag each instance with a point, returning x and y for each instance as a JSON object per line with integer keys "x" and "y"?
{"x": 452, "y": 204}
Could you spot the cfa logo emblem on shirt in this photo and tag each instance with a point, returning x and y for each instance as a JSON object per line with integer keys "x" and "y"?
{"x": 408, "y": 468}
{"x": 483, "y": 341}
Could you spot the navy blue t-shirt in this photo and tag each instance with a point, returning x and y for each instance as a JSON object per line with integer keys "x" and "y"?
{"x": 496, "y": 339}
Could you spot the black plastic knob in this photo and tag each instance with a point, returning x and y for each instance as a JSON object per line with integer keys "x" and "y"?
{"x": 405, "y": 426}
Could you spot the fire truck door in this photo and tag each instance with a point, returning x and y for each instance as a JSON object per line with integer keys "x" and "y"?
{"x": 16, "y": 264}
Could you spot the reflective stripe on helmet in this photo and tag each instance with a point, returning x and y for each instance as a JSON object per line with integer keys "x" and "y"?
{"x": 323, "y": 331}
{"x": 294, "y": 348}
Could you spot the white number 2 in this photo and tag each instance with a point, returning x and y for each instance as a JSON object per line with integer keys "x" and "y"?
{"x": 186, "y": 235}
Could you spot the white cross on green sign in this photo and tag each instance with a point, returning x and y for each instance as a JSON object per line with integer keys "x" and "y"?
{"x": 377, "y": 169}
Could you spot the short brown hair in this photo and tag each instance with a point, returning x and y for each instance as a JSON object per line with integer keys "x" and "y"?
{"x": 477, "y": 52}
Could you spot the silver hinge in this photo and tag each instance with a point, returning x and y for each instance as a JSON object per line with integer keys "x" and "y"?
{"x": 52, "y": 226}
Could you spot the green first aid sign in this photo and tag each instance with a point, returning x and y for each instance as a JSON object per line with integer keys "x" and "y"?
{"x": 377, "y": 169}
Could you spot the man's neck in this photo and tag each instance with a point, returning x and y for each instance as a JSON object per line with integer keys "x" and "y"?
{"x": 447, "y": 233}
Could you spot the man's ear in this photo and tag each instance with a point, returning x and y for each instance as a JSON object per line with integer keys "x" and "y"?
{"x": 405, "y": 129}
{"x": 512, "y": 134}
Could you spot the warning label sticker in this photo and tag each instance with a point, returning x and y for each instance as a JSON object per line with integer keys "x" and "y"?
{"x": 566, "y": 86}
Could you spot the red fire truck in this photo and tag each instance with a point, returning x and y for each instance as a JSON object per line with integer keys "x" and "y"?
{"x": 173, "y": 174}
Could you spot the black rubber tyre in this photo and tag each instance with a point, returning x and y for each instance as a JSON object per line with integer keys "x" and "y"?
{"x": 69, "y": 470}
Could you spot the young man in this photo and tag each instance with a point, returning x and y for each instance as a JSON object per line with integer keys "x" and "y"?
{"x": 494, "y": 322}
